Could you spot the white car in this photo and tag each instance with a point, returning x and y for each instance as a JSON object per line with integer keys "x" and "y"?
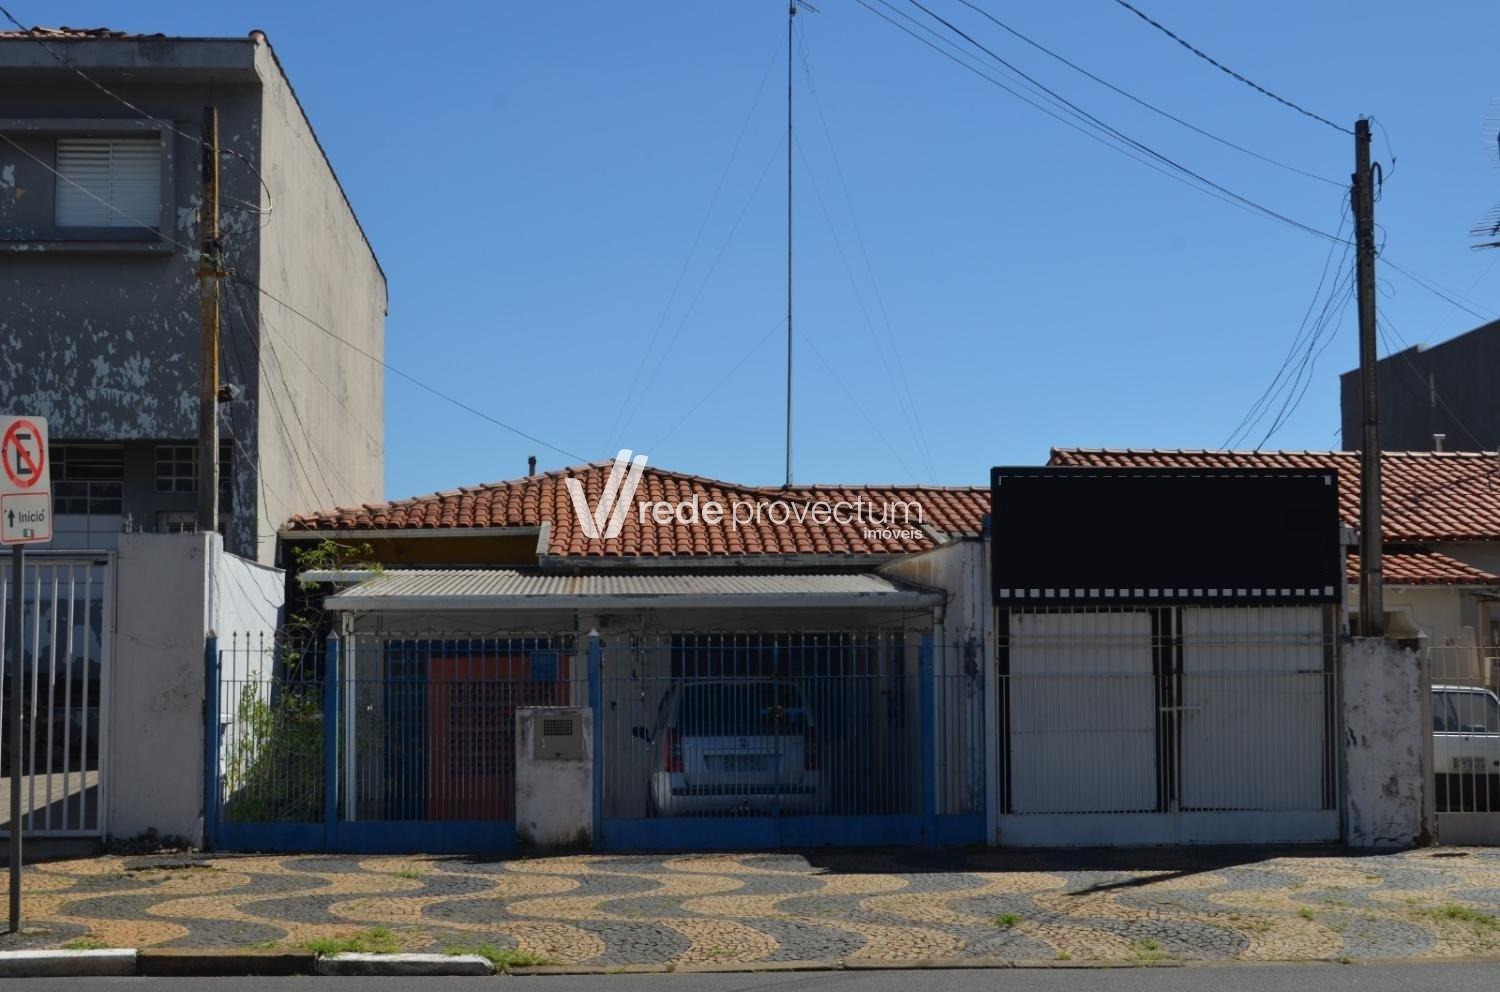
{"x": 728, "y": 747}
{"x": 1466, "y": 748}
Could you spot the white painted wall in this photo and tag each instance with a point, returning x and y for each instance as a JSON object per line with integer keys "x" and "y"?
{"x": 554, "y": 798}
{"x": 172, "y": 590}
{"x": 1386, "y": 732}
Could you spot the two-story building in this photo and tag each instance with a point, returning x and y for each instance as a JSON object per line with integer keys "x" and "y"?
{"x": 100, "y": 188}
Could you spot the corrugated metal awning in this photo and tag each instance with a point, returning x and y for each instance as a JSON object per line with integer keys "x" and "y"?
{"x": 508, "y": 589}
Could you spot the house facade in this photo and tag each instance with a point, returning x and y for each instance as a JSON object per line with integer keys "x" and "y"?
{"x": 100, "y": 187}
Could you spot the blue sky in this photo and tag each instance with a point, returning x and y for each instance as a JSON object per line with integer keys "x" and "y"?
{"x": 534, "y": 175}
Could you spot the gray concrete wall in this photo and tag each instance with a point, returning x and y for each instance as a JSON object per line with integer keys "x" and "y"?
{"x": 100, "y": 332}
{"x": 314, "y": 256}
{"x": 1466, "y": 373}
{"x": 1386, "y": 735}
{"x": 172, "y": 589}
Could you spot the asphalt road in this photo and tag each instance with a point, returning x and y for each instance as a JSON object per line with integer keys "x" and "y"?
{"x": 1226, "y": 978}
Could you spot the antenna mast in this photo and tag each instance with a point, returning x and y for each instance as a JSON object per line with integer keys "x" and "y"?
{"x": 791, "y": 17}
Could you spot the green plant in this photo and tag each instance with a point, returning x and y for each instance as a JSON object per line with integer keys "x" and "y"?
{"x": 409, "y": 874}
{"x": 503, "y": 958}
{"x": 1463, "y": 914}
{"x": 273, "y": 755}
{"x": 1007, "y": 920}
{"x": 1305, "y": 913}
{"x": 1063, "y": 956}
{"x": 1147, "y": 950}
{"x": 84, "y": 944}
{"x": 376, "y": 940}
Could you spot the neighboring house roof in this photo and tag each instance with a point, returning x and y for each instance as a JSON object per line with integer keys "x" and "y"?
{"x": 65, "y": 33}
{"x": 1418, "y": 567}
{"x": 1427, "y": 496}
{"x": 543, "y": 499}
{"x": 500, "y": 589}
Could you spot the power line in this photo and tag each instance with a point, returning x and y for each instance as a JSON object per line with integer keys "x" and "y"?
{"x": 720, "y": 384}
{"x": 1274, "y": 388}
{"x": 909, "y": 404}
{"x": 1437, "y": 290}
{"x": 193, "y": 253}
{"x": 682, "y": 324}
{"x": 857, "y": 405}
{"x": 693, "y": 249}
{"x": 164, "y": 124}
{"x": 1149, "y": 106}
{"x": 236, "y": 277}
{"x": 1113, "y": 131}
{"x": 1085, "y": 131}
{"x": 1224, "y": 68}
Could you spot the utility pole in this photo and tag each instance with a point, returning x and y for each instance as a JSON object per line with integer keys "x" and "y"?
{"x": 1362, "y": 196}
{"x": 791, "y": 17}
{"x": 13, "y": 635}
{"x": 210, "y": 268}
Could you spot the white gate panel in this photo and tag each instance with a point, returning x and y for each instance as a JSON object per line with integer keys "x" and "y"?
{"x": 1082, "y": 714}
{"x": 1255, "y": 690}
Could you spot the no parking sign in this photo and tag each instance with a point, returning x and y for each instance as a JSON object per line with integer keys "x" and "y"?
{"x": 25, "y": 481}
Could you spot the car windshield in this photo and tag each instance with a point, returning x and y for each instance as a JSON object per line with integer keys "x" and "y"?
{"x": 741, "y": 709}
{"x": 1475, "y": 712}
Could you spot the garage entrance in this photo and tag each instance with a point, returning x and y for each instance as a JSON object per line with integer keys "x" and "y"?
{"x": 1168, "y": 725}
{"x": 758, "y": 740}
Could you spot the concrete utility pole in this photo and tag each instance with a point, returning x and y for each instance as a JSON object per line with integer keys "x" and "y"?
{"x": 210, "y": 268}
{"x": 1362, "y": 196}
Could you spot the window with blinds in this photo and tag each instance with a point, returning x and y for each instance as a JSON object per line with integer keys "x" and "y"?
{"x": 109, "y": 182}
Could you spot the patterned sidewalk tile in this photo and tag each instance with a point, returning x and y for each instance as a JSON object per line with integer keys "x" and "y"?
{"x": 730, "y": 909}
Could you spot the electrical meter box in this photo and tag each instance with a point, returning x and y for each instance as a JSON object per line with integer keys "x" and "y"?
{"x": 559, "y": 736}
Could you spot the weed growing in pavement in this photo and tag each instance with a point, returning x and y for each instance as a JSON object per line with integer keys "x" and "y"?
{"x": 84, "y": 944}
{"x": 410, "y": 874}
{"x": 1007, "y": 920}
{"x": 1463, "y": 914}
{"x": 1305, "y": 913}
{"x": 1147, "y": 951}
{"x": 503, "y": 958}
{"x": 376, "y": 940}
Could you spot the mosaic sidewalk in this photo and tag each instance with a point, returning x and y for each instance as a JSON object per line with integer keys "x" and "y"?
{"x": 743, "y": 908}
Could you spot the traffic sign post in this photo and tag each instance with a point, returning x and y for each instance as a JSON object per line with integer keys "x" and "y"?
{"x": 25, "y": 518}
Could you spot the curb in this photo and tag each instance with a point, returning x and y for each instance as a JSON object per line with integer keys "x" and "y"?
{"x": 405, "y": 965}
{"x": 67, "y": 964}
{"x": 208, "y": 963}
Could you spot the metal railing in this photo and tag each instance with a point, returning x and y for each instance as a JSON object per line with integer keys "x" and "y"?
{"x": 1168, "y": 709}
{"x": 734, "y": 725}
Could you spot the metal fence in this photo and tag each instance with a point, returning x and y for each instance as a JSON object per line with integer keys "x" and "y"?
{"x": 65, "y": 649}
{"x": 399, "y": 741}
{"x": 848, "y": 729}
{"x": 1167, "y": 710}
{"x": 1465, "y": 700}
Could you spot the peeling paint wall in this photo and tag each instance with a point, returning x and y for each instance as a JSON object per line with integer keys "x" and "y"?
{"x": 1385, "y": 732}
{"x": 102, "y": 336}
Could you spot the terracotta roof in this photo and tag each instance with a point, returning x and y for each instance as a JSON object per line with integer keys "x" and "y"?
{"x": 66, "y": 33}
{"x": 1417, "y": 567}
{"x": 539, "y": 499}
{"x": 1428, "y": 495}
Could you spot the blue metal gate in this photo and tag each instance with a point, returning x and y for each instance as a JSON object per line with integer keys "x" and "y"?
{"x": 374, "y": 744}
{"x": 766, "y": 740}
{"x": 702, "y": 740}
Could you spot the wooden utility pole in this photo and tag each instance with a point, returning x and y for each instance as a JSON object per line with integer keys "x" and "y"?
{"x": 1362, "y": 196}
{"x": 210, "y": 268}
